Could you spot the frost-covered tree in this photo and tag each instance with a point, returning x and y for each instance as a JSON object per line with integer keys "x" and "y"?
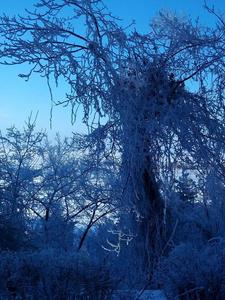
{"x": 70, "y": 192}
{"x": 146, "y": 97}
{"x": 47, "y": 189}
{"x": 18, "y": 168}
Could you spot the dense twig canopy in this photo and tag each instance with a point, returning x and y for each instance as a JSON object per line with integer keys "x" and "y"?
{"x": 83, "y": 43}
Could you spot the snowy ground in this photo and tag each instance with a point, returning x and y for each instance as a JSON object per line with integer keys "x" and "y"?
{"x": 146, "y": 295}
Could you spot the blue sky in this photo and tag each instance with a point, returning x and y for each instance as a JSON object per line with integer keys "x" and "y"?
{"x": 18, "y": 98}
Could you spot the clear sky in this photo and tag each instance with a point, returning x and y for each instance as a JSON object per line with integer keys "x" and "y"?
{"x": 19, "y": 98}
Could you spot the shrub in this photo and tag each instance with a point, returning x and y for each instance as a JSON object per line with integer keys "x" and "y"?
{"x": 194, "y": 273}
{"x": 52, "y": 274}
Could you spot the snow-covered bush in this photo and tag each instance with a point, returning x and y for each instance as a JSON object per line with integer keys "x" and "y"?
{"x": 52, "y": 274}
{"x": 191, "y": 272}
{"x": 13, "y": 233}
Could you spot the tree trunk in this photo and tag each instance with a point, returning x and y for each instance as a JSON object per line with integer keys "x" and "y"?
{"x": 150, "y": 227}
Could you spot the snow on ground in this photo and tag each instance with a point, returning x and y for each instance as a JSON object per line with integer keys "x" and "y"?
{"x": 145, "y": 295}
{"x": 152, "y": 295}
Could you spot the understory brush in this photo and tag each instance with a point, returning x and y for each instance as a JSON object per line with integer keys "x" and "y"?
{"x": 191, "y": 272}
{"x": 51, "y": 274}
